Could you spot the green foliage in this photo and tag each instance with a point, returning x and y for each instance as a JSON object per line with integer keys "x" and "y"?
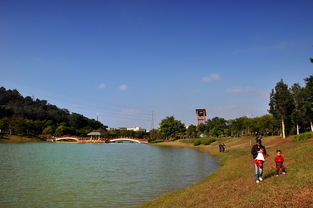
{"x": 31, "y": 117}
{"x": 154, "y": 134}
{"x": 171, "y": 128}
{"x": 192, "y": 131}
{"x": 308, "y": 98}
{"x": 298, "y": 114}
{"x": 156, "y": 141}
{"x": 282, "y": 104}
{"x": 207, "y": 141}
{"x": 48, "y": 130}
{"x": 303, "y": 136}
{"x": 197, "y": 142}
{"x": 64, "y": 130}
{"x": 281, "y": 101}
{"x": 217, "y": 126}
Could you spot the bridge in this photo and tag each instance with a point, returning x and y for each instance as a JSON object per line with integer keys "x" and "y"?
{"x": 67, "y": 138}
{"x": 128, "y": 139}
{"x": 100, "y": 140}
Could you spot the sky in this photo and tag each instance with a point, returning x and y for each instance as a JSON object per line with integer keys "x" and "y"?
{"x": 126, "y": 60}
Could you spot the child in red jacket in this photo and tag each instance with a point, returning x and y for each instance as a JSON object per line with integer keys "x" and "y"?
{"x": 279, "y": 160}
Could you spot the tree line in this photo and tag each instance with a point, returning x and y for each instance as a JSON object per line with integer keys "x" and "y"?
{"x": 217, "y": 127}
{"x": 290, "y": 108}
{"x": 27, "y": 116}
{"x": 293, "y": 106}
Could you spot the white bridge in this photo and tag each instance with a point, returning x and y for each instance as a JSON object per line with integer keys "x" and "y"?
{"x": 67, "y": 138}
{"x": 106, "y": 140}
{"x": 126, "y": 139}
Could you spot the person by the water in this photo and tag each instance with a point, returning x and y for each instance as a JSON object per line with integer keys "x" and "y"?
{"x": 259, "y": 154}
{"x": 222, "y": 147}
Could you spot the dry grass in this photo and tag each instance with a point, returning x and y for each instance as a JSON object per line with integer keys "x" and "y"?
{"x": 17, "y": 139}
{"x": 233, "y": 184}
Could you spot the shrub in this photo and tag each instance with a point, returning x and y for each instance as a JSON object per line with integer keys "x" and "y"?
{"x": 303, "y": 136}
{"x": 197, "y": 142}
{"x": 207, "y": 141}
{"x": 186, "y": 140}
{"x": 156, "y": 141}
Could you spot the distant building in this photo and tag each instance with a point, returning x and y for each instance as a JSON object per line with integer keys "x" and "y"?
{"x": 136, "y": 129}
{"x": 200, "y": 116}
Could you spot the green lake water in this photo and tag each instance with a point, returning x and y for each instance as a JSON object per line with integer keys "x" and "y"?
{"x": 54, "y": 175}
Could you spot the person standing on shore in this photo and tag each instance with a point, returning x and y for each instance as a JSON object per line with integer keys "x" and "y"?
{"x": 223, "y": 147}
{"x": 256, "y": 149}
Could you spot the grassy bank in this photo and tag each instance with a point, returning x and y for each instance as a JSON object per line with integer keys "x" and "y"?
{"x": 233, "y": 184}
{"x": 17, "y": 139}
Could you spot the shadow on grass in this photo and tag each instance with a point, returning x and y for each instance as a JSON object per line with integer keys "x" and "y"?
{"x": 270, "y": 174}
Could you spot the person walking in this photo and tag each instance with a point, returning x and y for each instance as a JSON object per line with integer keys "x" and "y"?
{"x": 279, "y": 161}
{"x": 259, "y": 154}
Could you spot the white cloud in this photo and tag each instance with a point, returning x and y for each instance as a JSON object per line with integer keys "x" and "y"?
{"x": 123, "y": 87}
{"x": 241, "y": 90}
{"x": 210, "y": 77}
{"x": 102, "y": 86}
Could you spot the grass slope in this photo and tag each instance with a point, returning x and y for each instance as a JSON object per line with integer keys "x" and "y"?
{"x": 17, "y": 139}
{"x": 233, "y": 184}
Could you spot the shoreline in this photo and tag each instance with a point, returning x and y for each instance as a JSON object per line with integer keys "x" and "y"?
{"x": 18, "y": 139}
{"x": 233, "y": 183}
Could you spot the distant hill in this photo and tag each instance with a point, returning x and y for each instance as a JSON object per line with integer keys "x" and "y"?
{"x": 32, "y": 117}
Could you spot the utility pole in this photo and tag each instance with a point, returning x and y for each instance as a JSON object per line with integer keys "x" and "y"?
{"x": 152, "y": 120}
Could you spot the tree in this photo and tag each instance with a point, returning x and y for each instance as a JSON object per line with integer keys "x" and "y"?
{"x": 239, "y": 125}
{"x": 281, "y": 104}
{"x": 29, "y": 116}
{"x": 266, "y": 124}
{"x": 63, "y": 130}
{"x": 77, "y": 121}
{"x": 202, "y": 128}
{"x": 191, "y": 131}
{"x": 5, "y": 125}
{"x": 48, "y": 130}
{"x": 297, "y": 115}
{"x": 217, "y": 126}
{"x": 170, "y": 128}
{"x": 308, "y": 99}
{"x": 154, "y": 134}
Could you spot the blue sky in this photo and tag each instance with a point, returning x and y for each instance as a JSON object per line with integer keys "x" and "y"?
{"x": 123, "y": 60}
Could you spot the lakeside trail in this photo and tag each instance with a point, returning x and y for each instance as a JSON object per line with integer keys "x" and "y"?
{"x": 233, "y": 184}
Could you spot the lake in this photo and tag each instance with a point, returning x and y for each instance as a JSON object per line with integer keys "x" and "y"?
{"x": 95, "y": 175}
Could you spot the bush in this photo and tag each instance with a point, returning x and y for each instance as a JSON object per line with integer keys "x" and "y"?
{"x": 207, "y": 141}
{"x": 303, "y": 136}
{"x": 186, "y": 140}
{"x": 197, "y": 142}
{"x": 156, "y": 141}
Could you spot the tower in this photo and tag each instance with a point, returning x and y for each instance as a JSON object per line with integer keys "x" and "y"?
{"x": 200, "y": 116}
